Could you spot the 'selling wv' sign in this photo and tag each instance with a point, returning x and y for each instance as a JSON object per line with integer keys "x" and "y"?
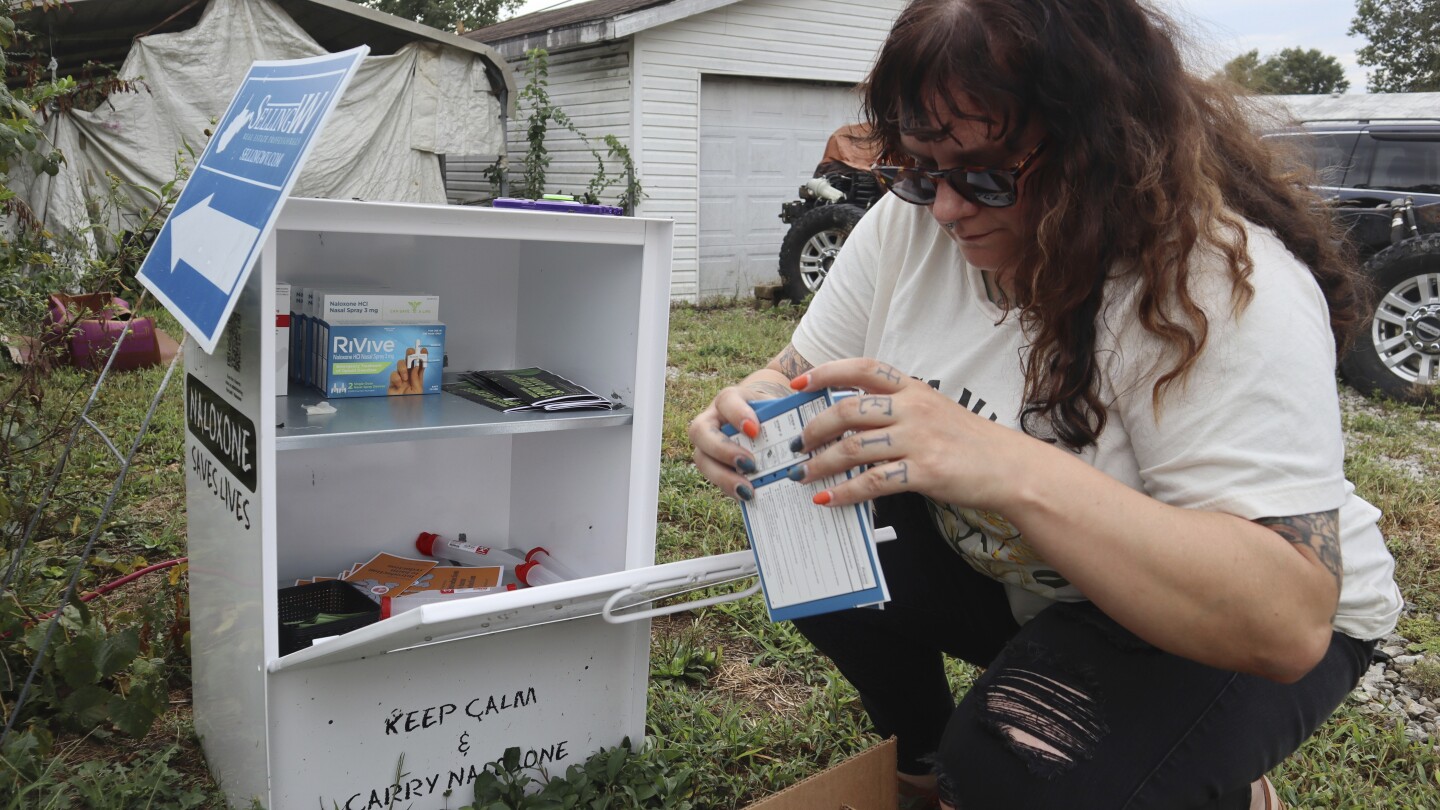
{"x": 199, "y": 262}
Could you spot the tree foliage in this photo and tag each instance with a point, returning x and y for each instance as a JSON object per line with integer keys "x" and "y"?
{"x": 1303, "y": 72}
{"x": 1293, "y": 71}
{"x": 447, "y": 15}
{"x": 1402, "y": 38}
{"x": 1242, "y": 70}
{"x": 21, "y": 136}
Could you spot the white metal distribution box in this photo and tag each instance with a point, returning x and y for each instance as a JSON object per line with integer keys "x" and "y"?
{"x": 405, "y": 712}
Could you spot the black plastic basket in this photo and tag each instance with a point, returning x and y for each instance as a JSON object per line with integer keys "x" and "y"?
{"x": 302, "y": 602}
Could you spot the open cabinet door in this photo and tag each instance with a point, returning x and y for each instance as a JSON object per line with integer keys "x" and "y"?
{"x": 619, "y": 597}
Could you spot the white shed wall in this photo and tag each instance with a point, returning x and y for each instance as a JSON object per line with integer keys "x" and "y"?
{"x": 814, "y": 40}
{"x": 592, "y": 87}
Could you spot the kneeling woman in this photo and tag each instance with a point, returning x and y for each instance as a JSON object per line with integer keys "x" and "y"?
{"x": 1095, "y": 323}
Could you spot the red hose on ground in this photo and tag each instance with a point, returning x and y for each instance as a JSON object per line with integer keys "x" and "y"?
{"x": 128, "y": 578}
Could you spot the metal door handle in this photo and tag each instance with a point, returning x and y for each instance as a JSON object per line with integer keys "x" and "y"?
{"x": 608, "y": 611}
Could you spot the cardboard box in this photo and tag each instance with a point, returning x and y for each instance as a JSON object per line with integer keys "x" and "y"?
{"x": 367, "y": 308}
{"x": 312, "y": 343}
{"x": 376, "y": 307}
{"x": 865, "y": 781}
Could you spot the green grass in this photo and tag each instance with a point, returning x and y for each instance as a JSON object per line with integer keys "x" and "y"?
{"x": 747, "y": 703}
{"x": 1393, "y": 458}
{"x": 712, "y": 347}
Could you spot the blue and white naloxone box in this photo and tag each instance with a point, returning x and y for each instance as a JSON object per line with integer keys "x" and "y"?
{"x": 355, "y": 306}
{"x": 363, "y": 360}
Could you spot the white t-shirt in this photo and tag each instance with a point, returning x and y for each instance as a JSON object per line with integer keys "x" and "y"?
{"x": 1254, "y": 431}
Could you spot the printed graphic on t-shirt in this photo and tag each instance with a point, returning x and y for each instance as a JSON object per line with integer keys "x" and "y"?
{"x": 977, "y": 406}
{"x": 994, "y": 547}
{"x": 990, "y": 543}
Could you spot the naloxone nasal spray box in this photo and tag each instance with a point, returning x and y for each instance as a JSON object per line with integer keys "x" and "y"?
{"x": 367, "y": 306}
{"x": 384, "y": 306}
{"x": 363, "y": 360}
{"x": 297, "y": 332}
{"x": 314, "y": 342}
{"x": 282, "y": 338}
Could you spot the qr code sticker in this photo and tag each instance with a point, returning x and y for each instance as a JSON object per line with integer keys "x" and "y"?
{"x": 232, "y": 343}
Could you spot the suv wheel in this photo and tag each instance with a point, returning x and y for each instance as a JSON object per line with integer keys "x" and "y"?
{"x": 1398, "y": 354}
{"x": 811, "y": 245}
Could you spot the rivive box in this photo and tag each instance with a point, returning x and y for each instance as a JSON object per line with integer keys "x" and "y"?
{"x": 363, "y": 360}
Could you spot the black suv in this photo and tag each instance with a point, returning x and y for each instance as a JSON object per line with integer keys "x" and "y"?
{"x": 1373, "y": 163}
{"x": 1383, "y": 179}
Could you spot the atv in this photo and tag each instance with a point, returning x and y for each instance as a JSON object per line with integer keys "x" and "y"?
{"x": 831, "y": 204}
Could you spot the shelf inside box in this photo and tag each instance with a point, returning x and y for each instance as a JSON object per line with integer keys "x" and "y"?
{"x": 372, "y": 420}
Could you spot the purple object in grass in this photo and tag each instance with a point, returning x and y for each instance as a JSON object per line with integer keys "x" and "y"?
{"x": 87, "y": 327}
{"x": 557, "y": 206}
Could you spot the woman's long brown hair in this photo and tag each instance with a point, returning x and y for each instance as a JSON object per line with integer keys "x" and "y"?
{"x": 1145, "y": 165}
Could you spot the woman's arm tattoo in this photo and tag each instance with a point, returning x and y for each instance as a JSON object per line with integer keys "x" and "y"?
{"x": 790, "y": 363}
{"x": 1319, "y": 532}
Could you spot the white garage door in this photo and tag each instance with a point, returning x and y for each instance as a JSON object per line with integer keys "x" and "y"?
{"x": 759, "y": 140}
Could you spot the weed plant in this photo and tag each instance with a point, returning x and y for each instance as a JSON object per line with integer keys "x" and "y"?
{"x": 109, "y": 666}
{"x": 544, "y": 118}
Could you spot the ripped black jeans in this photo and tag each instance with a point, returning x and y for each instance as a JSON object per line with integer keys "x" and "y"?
{"x": 1072, "y": 711}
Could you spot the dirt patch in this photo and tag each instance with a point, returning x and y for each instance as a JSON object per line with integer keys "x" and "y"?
{"x": 772, "y": 689}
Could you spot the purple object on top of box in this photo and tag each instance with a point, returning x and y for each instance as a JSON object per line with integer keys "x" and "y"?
{"x": 557, "y": 206}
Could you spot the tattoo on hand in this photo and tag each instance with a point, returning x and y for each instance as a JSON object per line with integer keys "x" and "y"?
{"x": 880, "y": 405}
{"x": 902, "y": 472}
{"x": 1319, "y": 532}
{"x": 791, "y": 364}
{"x": 881, "y": 439}
{"x": 889, "y": 373}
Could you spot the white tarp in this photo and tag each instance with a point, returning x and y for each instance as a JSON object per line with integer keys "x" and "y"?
{"x": 383, "y": 142}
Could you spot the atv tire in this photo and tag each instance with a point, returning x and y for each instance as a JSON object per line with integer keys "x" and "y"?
{"x": 1397, "y": 353}
{"x": 812, "y": 244}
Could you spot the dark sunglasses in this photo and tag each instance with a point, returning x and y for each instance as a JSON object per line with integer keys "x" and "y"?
{"x": 992, "y": 188}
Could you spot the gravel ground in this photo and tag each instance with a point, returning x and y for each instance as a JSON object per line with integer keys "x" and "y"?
{"x": 1389, "y": 689}
{"x": 1385, "y": 691}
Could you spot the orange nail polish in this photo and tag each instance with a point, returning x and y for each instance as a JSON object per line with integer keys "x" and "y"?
{"x": 822, "y": 498}
{"x": 801, "y": 382}
{"x": 750, "y": 427}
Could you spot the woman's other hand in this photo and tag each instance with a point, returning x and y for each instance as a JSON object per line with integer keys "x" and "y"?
{"x": 724, "y": 462}
{"x": 913, "y": 438}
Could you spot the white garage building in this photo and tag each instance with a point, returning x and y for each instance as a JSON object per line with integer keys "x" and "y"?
{"x": 724, "y": 104}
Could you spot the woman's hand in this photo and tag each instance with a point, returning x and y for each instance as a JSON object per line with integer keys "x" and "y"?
{"x": 723, "y": 462}
{"x": 726, "y": 463}
{"x": 914, "y": 439}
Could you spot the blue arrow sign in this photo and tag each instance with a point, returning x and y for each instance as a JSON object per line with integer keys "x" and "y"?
{"x": 207, "y": 246}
